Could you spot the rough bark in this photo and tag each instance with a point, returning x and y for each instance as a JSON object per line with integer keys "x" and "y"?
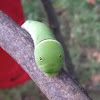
{"x": 55, "y": 26}
{"x": 18, "y": 43}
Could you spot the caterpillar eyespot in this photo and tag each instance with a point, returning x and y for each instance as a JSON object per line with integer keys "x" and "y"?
{"x": 60, "y": 56}
{"x": 40, "y": 59}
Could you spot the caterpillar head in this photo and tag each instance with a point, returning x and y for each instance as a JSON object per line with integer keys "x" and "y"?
{"x": 49, "y": 56}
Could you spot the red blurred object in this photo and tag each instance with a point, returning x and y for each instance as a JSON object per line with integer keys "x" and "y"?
{"x": 11, "y": 73}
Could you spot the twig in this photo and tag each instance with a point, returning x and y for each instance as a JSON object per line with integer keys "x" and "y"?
{"x": 54, "y": 24}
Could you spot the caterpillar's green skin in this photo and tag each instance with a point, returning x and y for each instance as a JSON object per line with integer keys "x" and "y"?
{"x": 49, "y": 54}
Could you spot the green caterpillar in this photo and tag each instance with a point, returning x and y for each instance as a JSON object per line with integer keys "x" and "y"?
{"x": 49, "y": 54}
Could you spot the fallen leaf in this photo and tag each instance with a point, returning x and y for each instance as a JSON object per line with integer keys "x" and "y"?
{"x": 96, "y": 56}
{"x": 96, "y": 78}
{"x": 92, "y": 2}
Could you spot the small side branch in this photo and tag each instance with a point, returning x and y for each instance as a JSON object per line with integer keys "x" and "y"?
{"x": 55, "y": 26}
{"x": 18, "y": 43}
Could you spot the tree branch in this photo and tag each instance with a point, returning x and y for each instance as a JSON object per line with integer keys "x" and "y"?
{"x": 55, "y": 26}
{"x": 18, "y": 43}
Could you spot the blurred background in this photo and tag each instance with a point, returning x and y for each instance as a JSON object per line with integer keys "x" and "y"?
{"x": 80, "y": 27}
